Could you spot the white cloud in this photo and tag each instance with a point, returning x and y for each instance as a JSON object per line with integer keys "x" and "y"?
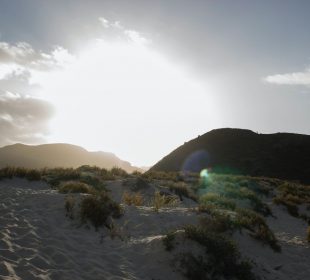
{"x": 16, "y": 60}
{"x": 121, "y": 32}
{"x": 23, "y": 118}
{"x": 296, "y": 78}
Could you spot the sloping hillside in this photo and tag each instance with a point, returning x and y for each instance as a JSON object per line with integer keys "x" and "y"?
{"x": 58, "y": 155}
{"x": 280, "y": 155}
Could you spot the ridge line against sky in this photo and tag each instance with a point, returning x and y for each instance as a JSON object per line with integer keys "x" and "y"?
{"x": 140, "y": 78}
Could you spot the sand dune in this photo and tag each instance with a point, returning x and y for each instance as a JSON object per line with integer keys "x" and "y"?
{"x": 37, "y": 240}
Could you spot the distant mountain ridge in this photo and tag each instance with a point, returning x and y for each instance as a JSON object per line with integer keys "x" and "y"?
{"x": 240, "y": 151}
{"x": 58, "y": 155}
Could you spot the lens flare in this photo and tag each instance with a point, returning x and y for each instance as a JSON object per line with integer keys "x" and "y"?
{"x": 204, "y": 174}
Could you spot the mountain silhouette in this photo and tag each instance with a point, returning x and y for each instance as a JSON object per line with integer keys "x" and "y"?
{"x": 58, "y": 155}
{"x": 240, "y": 151}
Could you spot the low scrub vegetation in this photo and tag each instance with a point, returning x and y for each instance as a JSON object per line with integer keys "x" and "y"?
{"x": 75, "y": 187}
{"x": 218, "y": 200}
{"x": 182, "y": 190}
{"x": 221, "y": 259}
{"x": 292, "y": 195}
{"x": 98, "y": 208}
{"x": 256, "y": 224}
{"x": 133, "y": 198}
{"x": 161, "y": 200}
{"x": 10, "y": 172}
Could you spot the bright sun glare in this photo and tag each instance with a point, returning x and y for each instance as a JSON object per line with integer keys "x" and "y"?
{"x": 119, "y": 95}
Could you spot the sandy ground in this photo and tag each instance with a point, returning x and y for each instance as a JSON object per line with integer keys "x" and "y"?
{"x": 37, "y": 240}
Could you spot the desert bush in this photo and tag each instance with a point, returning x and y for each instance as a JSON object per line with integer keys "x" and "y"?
{"x": 132, "y": 198}
{"x": 242, "y": 193}
{"x": 55, "y": 176}
{"x": 217, "y": 222}
{"x": 222, "y": 258}
{"x": 160, "y": 200}
{"x": 295, "y": 192}
{"x": 98, "y": 208}
{"x": 161, "y": 175}
{"x": 181, "y": 189}
{"x": 93, "y": 181}
{"x": 168, "y": 240}
{"x": 30, "y": 174}
{"x": 291, "y": 207}
{"x": 119, "y": 172}
{"x": 218, "y": 200}
{"x": 75, "y": 187}
{"x": 256, "y": 224}
{"x": 136, "y": 173}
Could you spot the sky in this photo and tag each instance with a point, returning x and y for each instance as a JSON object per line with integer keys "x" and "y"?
{"x": 140, "y": 78}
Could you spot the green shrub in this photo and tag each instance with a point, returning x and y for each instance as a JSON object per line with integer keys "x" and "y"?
{"x": 217, "y": 222}
{"x": 256, "y": 224}
{"x": 161, "y": 200}
{"x": 132, "y": 198}
{"x": 218, "y": 200}
{"x": 21, "y": 172}
{"x": 291, "y": 207}
{"x": 222, "y": 258}
{"x": 75, "y": 187}
{"x": 98, "y": 208}
{"x": 116, "y": 171}
{"x": 181, "y": 189}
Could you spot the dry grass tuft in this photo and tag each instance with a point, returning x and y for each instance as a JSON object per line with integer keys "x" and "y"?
{"x": 133, "y": 198}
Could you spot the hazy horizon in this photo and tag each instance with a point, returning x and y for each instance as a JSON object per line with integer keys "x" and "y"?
{"x": 139, "y": 78}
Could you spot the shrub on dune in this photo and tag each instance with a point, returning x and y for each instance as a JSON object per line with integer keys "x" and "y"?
{"x": 98, "y": 208}
{"x": 75, "y": 187}
{"x": 161, "y": 200}
{"x": 133, "y": 198}
{"x": 222, "y": 259}
{"x": 218, "y": 200}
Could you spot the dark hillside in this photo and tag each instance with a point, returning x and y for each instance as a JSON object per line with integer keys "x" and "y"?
{"x": 239, "y": 151}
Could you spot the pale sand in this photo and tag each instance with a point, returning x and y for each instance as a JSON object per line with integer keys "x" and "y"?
{"x": 37, "y": 240}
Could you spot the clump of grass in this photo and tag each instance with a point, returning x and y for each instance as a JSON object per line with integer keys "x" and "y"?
{"x": 136, "y": 173}
{"x": 97, "y": 209}
{"x": 291, "y": 195}
{"x": 69, "y": 206}
{"x": 133, "y": 198}
{"x": 56, "y": 176}
{"x": 256, "y": 224}
{"x": 75, "y": 187}
{"x": 291, "y": 207}
{"x": 161, "y": 175}
{"x": 169, "y": 240}
{"x": 218, "y": 200}
{"x": 222, "y": 258}
{"x": 160, "y": 200}
{"x": 30, "y": 174}
{"x": 119, "y": 172}
{"x": 182, "y": 190}
{"x": 93, "y": 181}
{"x": 242, "y": 193}
{"x": 217, "y": 222}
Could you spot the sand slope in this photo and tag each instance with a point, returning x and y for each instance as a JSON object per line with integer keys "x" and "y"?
{"x": 37, "y": 240}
